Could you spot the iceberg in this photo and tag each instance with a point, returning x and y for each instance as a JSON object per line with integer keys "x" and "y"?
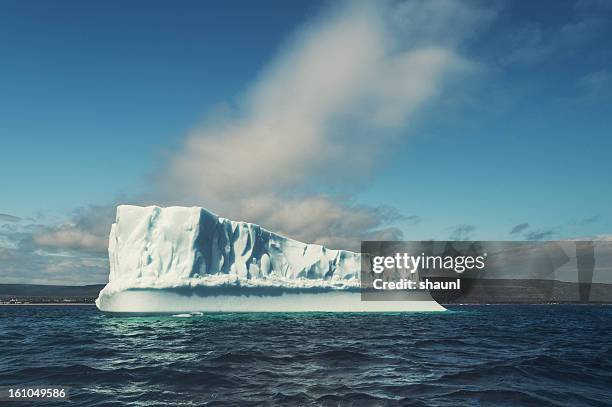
{"x": 187, "y": 259}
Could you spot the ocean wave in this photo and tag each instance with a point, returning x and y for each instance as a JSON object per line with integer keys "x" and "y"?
{"x": 316, "y": 359}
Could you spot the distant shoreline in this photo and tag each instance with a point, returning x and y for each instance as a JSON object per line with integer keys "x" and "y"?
{"x": 48, "y": 303}
{"x": 476, "y": 291}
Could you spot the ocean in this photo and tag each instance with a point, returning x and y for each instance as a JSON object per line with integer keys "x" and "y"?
{"x": 514, "y": 355}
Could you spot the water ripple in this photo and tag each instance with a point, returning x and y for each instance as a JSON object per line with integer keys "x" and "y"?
{"x": 474, "y": 356}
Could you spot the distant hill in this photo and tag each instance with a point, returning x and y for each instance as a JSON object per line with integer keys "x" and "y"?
{"x": 50, "y": 293}
{"x": 520, "y": 291}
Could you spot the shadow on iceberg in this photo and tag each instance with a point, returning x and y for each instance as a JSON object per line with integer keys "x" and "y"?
{"x": 238, "y": 290}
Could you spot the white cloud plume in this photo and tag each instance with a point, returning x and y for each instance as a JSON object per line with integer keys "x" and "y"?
{"x": 317, "y": 117}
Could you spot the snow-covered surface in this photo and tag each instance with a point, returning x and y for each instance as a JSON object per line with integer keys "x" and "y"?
{"x": 173, "y": 251}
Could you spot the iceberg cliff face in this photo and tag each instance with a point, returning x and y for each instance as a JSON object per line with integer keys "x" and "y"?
{"x": 189, "y": 259}
{"x": 153, "y": 247}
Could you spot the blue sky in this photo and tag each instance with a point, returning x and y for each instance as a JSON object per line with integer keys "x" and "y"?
{"x": 102, "y": 103}
{"x": 94, "y": 93}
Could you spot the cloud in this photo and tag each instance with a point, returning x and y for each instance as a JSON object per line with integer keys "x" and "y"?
{"x": 539, "y": 235}
{"x": 305, "y": 136}
{"x": 321, "y": 220}
{"x": 74, "y": 252}
{"x": 519, "y": 228}
{"x": 19, "y": 266}
{"x": 69, "y": 237}
{"x": 9, "y": 218}
{"x": 462, "y": 232}
{"x": 86, "y": 232}
{"x": 317, "y": 118}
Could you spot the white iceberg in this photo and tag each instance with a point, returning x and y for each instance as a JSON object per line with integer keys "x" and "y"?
{"x": 181, "y": 259}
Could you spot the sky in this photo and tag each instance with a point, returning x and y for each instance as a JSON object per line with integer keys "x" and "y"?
{"x": 329, "y": 122}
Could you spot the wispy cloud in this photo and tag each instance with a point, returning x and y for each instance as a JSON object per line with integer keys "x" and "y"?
{"x": 519, "y": 228}
{"x": 86, "y": 232}
{"x": 539, "y": 235}
{"x": 9, "y": 218}
{"x": 462, "y": 232}
{"x": 317, "y": 118}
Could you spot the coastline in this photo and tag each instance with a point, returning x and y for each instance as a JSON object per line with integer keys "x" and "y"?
{"x": 50, "y": 303}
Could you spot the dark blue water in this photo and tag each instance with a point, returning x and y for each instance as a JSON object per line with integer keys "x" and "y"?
{"x": 474, "y": 356}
